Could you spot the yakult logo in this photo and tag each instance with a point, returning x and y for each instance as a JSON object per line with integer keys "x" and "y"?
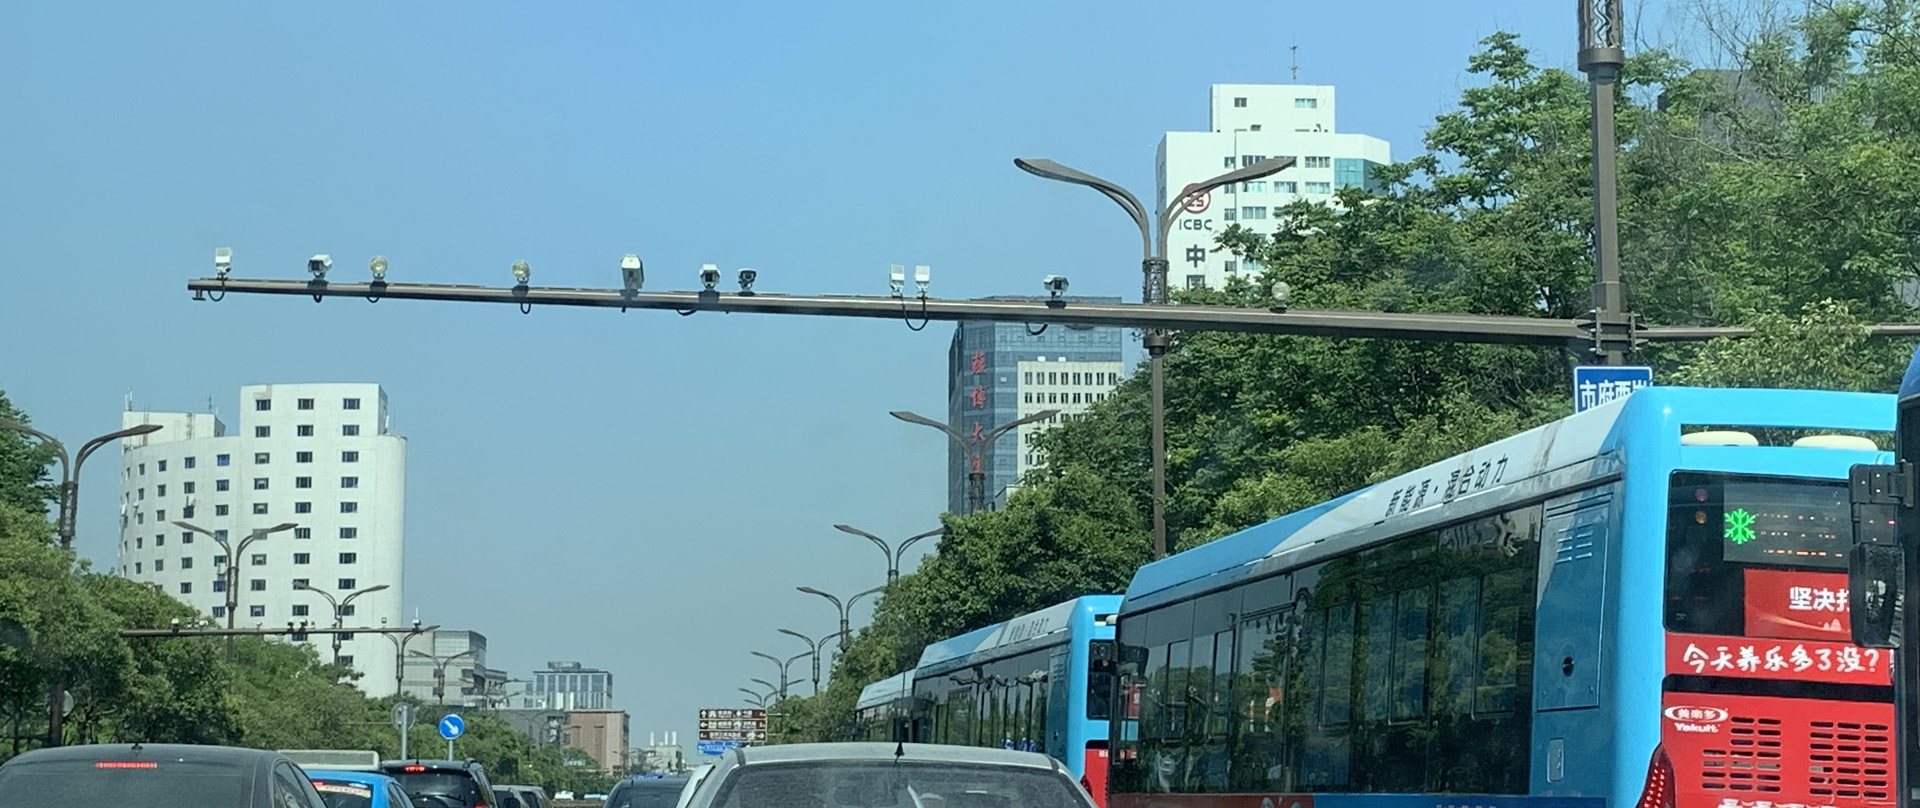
{"x": 1696, "y": 719}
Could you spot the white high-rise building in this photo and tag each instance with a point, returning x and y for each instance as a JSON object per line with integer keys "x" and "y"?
{"x": 317, "y": 456}
{"x": 1252, "y": 122}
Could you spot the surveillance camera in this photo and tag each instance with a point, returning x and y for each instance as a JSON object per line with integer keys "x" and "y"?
{"x": 222, "y": 260}
{"x": 709, "y": 276}
{"x": 746, "y": 281}
{"x": 1057, "y": 284}
{"x": 318, "y": 265}
{"x": 522, "y": 272}
{"x": 922, "y": 275}
{"x": 897, "y": 279}
{"x": 633, "y": 274}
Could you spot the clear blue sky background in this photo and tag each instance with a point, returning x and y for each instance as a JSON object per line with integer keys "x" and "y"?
{"x": 639, "y": 492}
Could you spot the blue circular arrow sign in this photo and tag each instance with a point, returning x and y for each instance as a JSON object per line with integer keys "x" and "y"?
{"x": 451, "y": 727}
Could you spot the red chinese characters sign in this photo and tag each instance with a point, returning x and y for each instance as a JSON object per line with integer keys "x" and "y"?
{"x": 978, "y": 364}
{"x": 977, "y": 397}
{"x": 1797, "y": 605}
{"x": 1788, "y": 660}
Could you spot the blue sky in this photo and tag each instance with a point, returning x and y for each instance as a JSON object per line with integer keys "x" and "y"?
{"x": 639, "y": 492}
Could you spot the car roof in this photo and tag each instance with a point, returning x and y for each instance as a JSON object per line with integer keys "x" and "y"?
{"x": 153, "y": 751}
{"x": 461, "y": 765}
{"x": 784, "y": 753}
{"x": 352, "y": 776}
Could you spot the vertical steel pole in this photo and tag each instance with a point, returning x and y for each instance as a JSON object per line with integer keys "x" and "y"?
{"x": 1601, "y": 58}
{"x": 1156, "y": 342}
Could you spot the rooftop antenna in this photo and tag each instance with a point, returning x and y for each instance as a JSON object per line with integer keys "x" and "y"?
{"x": 129, "y": 400}
{"x": 1296, "y": 61}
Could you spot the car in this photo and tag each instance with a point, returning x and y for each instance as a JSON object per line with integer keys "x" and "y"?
{"x": 647, "y": 791}
{"x": 522, "y": 797}
{"x": 355, "y": 788}
{"x": 885, "y": 774}
{"x": 156, "y": 776}
{"x": 443, "y": 783}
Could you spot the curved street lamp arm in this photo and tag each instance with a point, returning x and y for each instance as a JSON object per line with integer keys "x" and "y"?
{"x": 324, "y": 594}
{"x": 89, "y": 447}
{"x": 59, "y": 448}
{"x": 874, "y": 591}
{"x": 1017, "y": 423}
{"x": 913, "y": 418}
{"x": 1048, "y": 169}
{"x": 877, "y": 541}
{"x": 803, "y": 638}
{"x": 902, "y": 549}
{"x": 771, "y": 687}
{"x": 796, "y": 658}
{"x": 358, "y": 592}
{"x": 812, "y": 591}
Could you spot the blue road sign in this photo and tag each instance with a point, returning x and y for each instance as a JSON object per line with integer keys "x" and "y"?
{"x": 452, "y": 727}
{"x": 1594, "y": 385}
{"x": 717, "y": 747}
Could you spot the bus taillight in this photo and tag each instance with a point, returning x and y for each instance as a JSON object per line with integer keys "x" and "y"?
{"x": 1659, "y": 791}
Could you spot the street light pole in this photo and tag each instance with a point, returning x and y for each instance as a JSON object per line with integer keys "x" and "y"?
{"x": 70, "y": 471}
{"x": 757, "y": 699}
{"x": 782, "y": 665}
{"x": 440, "y": 671}
{"x": 233, "y": 563}
{"x": 1153, "y": 268}
{"x": 892, "y": 553}
{"x": 63, "y": 527}
{"x": 815, "y": 646}
{"x": 339, "y": 607}
{"x": 1601, "y": 58}
{"x": 400, "y": 653}
{"x": 846, "y": 630}
{"x": 976, "y": 448}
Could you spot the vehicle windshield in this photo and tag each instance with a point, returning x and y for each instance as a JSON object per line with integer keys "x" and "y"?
{"x": 344, "y": 794}
{"x": 815, "y": 784}
{"x": 647, "y": 794}
{"x": 439, "y": 789}
{"x": 146, "y": 783}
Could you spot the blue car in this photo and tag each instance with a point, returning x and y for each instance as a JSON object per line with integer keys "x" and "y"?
{"x": 355, "y": 789}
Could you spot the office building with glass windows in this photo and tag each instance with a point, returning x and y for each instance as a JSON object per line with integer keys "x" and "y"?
{"x": 319, "y": 457}
{"x": 1252, "y": 122}
{"x": 1000, "y": 372}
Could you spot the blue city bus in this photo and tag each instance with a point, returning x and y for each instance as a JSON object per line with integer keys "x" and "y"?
{"x": 1040, "y": 682}
{"x": 1643, "y": 604}
{"x": 883, "y": 707}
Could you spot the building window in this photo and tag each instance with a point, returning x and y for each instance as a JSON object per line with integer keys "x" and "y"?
{"x": 261, "y": 458}
{"x": 160, "y": 515}
{"x": 142, "y": 494}
{"x": 346, "y": 583}
{"x": 136, "y": 567}
{"x": 258, "y": 559}
{"x": 1029, "y": 397}
{"x": 299, "y": 610}
{"x": 1319, "y": 187}
{"x": 222, "y": 460}
{"x": 349, "y": 482}
{"x": 257, "y": 610}
{"x": 187, "y": 461}
{"x": 219, "y": 510}
{"x": 303, "y": 533}
{"x": 346, "y": 659}
{"x": 346, "y": 610}
{"x": 303, "y": 507}
{"x": 186, "y": 562}
{"x": 303, "y": 457}
{"x": 160, "y": 490}
{"x": 349, "y": 457}
{"x": 219, "y": 611}
{"x": 349, "y": 507}
{"x": 219, "y": 584}
{"x": 1306, "y": 103}
{"x": 160, "y": 540}
{"x": 1231, "y": 266}
{"x": 1286, "y": 187}
{"x": 219, "y": 561}
{"x": 1254, "y": 128}
{"x": 257, "y": 585}
{"x": 349, "y": 532}
{"x": 1231, "y": 214}
{"x": 159, "y": 565}
{"x": 262, "y": 404}
{"x": 303, "y": 482}
{"x": 349, "y": 430}
{"x": 259, "y": 483}
{"x": 350, "y": 404}
{"x": 1251, "y": 213}
{"x": 1254, "y": 186}
{"x": 303, "y": 404}
{"x": 303, "y": 431}
{"x": 1319, "y": 162}
{"x": 302, "y": 558}
{"x": 186, "y": 488}
{"x": 349, "y": 558}
{"x": 162, "y": 465}
{"x": 186, "y": 587}
{"x": 222, "y": 485}
{"x": 1196, "y": 281}
{"x": 259, "y": 508}
{"x": 1228, "y": 162}
{"x": 263, "y": 432}
{"x": 1240, "y": 101}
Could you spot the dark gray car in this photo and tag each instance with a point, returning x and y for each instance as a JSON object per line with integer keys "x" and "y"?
{"x": 156, "y": 776}
{"x": 885, "y": 775}
{"x": 647, "y": 792}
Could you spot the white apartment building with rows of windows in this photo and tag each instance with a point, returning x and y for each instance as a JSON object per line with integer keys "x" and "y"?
{"x": 1252, "y": 122}
{"x": 318, "y": 456}
{"x": 1057, "y": 384}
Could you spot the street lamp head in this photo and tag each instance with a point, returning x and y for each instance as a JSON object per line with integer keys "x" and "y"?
{"x": 1282, "y": 293}
{"x": 379, "y": 268}
{"x": 135, "y": 431}
{"x": 280, "y": 528}
{"x": 522, "y": 272}
{"x": 1050, "y": 170}
{"x": 302, "y": 585}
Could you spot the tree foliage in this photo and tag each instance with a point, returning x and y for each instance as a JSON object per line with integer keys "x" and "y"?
{"x": 1784, "y": 195}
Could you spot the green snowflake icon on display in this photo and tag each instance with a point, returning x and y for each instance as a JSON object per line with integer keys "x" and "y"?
{"x": 1739, "y": 526}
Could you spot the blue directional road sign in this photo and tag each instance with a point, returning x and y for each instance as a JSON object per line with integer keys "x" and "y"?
{"x": 1595, "y": 385}
{"x": 452, "y": 727}
{"x": 717, "y": 747}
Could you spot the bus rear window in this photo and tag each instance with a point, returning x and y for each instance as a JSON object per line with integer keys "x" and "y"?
{"x": 1736, "y": 544}
{"x": 1100, "y": 670}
